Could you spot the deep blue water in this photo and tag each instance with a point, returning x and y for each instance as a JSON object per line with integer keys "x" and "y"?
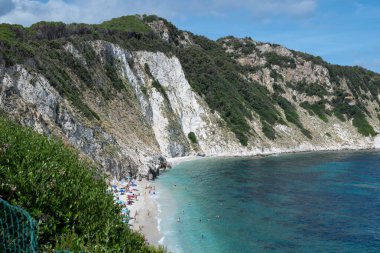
{"x": 311, "y": 202}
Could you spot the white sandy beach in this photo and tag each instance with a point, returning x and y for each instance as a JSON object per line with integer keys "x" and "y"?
{"x": 146, "y": 206}
{"x": 144, "y": 211}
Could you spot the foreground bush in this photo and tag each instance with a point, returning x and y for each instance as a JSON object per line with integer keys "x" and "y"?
{"x": 64, "y": 194}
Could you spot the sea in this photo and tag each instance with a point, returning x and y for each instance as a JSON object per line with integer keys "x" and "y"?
{"x": 307, "y": 202}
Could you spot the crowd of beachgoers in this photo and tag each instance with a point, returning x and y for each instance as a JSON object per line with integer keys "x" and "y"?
{"x": 138, "y": 199}
{"x": 139, "y": 209}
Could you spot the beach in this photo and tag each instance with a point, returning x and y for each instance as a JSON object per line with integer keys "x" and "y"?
{"x": 142, "y": 206}
{"x": 147, "y": 206}
{"x": 145, "y": 212}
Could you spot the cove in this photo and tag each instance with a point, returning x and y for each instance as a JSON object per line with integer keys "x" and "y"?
{"x": 309, "y": 202}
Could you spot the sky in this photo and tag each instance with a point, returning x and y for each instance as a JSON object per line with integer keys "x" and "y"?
{"x": 345, "y": 32}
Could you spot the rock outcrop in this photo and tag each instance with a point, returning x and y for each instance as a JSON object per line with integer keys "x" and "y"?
{"x": 148, "y": 117}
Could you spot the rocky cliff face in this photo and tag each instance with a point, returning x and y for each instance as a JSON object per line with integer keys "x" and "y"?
{"x": 282, "y": 77}
{"x": 141, "y": 105}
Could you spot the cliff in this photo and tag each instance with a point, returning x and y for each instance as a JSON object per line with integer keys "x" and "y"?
{"x": 127, "y": 93}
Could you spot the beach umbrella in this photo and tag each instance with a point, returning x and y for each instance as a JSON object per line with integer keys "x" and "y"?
{"x": 126, "y": 220}
{"x": 119, "y": 201}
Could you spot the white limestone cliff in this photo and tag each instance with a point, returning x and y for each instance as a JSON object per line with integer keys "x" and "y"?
{"x": 132, "y": 142}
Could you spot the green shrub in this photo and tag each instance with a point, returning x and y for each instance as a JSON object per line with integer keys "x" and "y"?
{"x": 278, "y": 89}
{"x": 307, "y": 133}
{"x": 361, "y": 123}
{"x": 156, "y": 84}
{"x": 289, "y": 110}
{"x": 268, "y": 131}
{"x": 311, "y": 89}
{"x": 144, "y": 90}
{"x": 317, "y": 108}
{"x": 147, "y": 70}
{"x": 192, "y": 137}
{"x": 111, "y": 71}
{"x": 7, "y": 33}
{"x": 126, "y": 24}
{"x": 66, "y": 195}
{"x": 275, "y": 75}
{"x": 150, "y": 18}
{"x": 291, "y": 115}
{"x": 282, "y": 61}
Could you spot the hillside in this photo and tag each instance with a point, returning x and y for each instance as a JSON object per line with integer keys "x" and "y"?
{"x": 65, "y": 194}
{"x": 135, "y": 90}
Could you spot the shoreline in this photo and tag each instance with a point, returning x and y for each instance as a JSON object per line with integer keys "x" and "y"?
{"x": 148, "y": 218}
{"x": 144, "y": 212}
{"x": 174, "y": 161}
{"x": 144, "y": 209}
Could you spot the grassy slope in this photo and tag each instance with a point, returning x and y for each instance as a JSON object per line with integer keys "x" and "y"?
{"x": 126, "y": 24}
{"x": 64, "y": 194}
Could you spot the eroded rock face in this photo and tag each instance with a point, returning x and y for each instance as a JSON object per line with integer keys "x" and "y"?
{"x": 161, "y": 29}
{"x": 150, "y": 121}
{"x": 191, "y": 113}
{"x": 29, "y": 98}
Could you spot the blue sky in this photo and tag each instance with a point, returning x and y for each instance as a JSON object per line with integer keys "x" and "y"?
{"x": 345, "y": 32}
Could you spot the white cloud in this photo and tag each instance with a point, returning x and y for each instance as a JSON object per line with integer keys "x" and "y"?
{"x": 27, "y": 12}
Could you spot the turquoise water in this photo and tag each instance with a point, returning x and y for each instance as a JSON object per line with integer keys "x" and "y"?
{"x": 311, "y": 202}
